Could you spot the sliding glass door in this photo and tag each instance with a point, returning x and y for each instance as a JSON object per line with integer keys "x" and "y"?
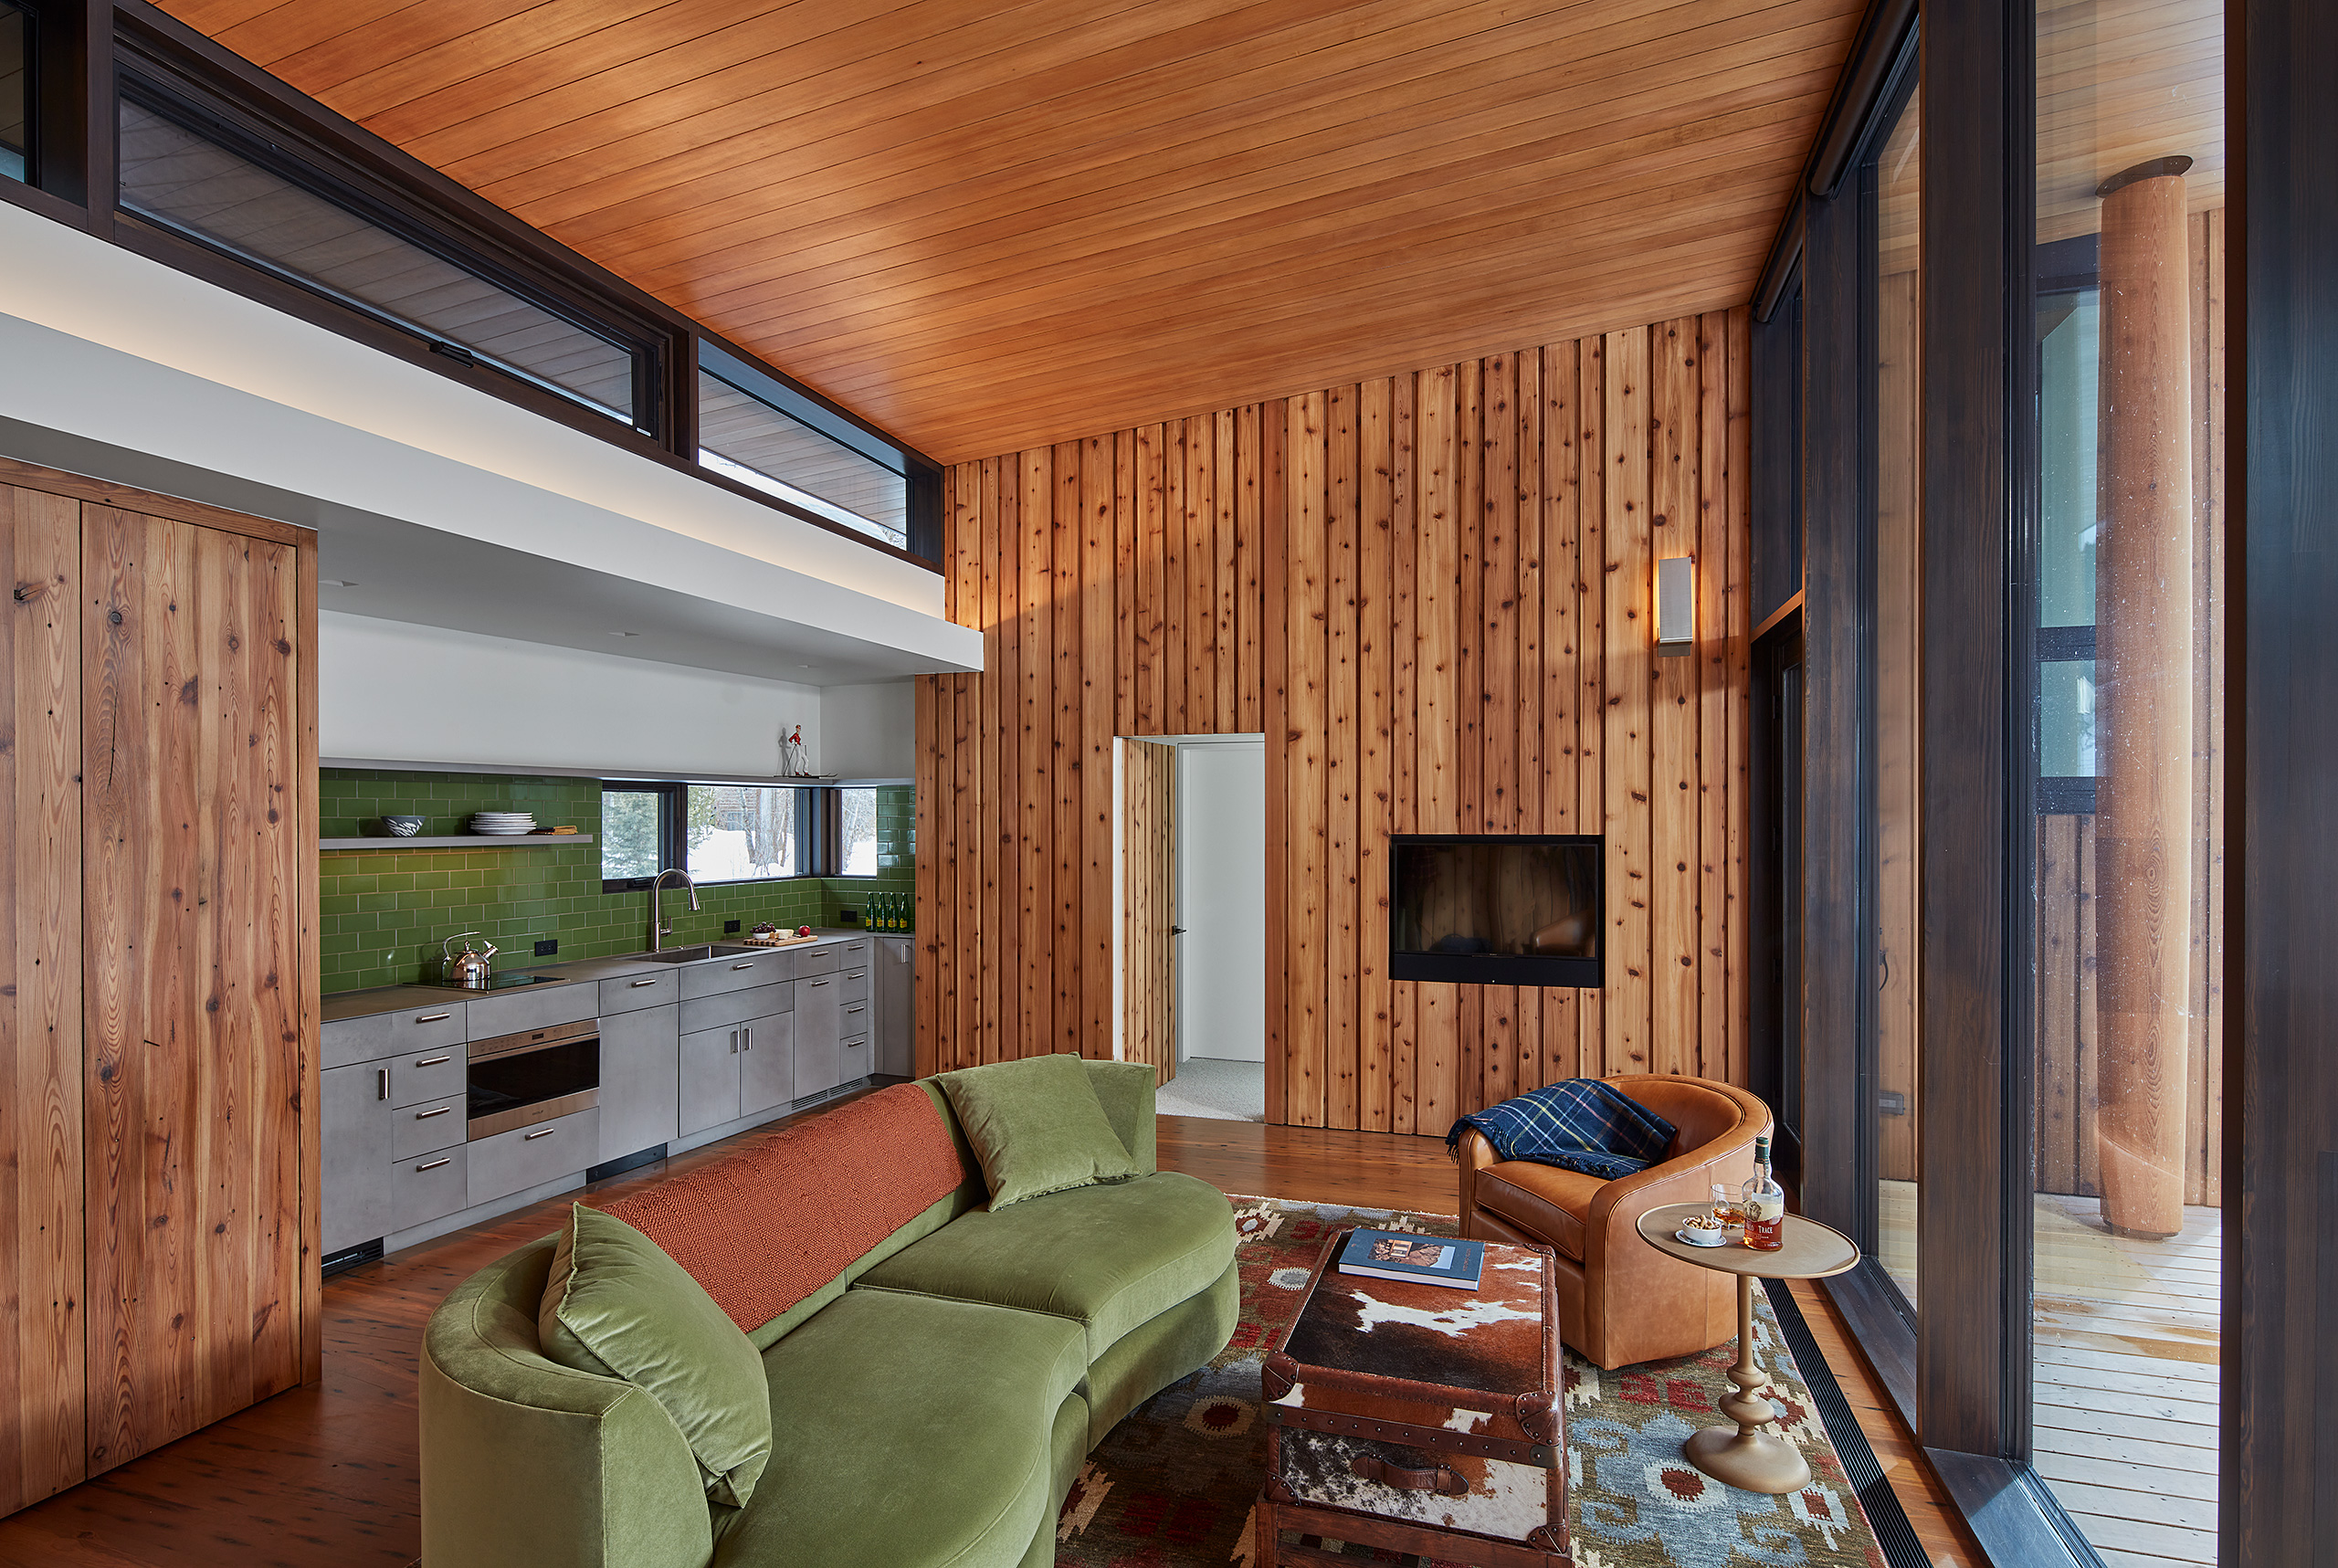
{"x": 2126, "y": 622}
{"x": 1894, "y": 182}
{"x": 2011, "y": 455}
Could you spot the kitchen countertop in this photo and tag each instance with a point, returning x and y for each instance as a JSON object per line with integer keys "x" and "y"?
{"x": 397, "y": 998}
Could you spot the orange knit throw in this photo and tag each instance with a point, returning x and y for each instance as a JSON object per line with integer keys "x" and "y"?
{"x": 764, "y": 1227}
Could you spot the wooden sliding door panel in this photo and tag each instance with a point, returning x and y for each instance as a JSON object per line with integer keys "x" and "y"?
{"x": 1149, "y": 906}
{"x": 196, "y": 821}
{"x": 42, "y": 1380}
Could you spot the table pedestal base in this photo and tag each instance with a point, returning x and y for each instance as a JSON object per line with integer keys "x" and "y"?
{"x": 1751, "y": 1462}
{"x": 1744, "y": 1456}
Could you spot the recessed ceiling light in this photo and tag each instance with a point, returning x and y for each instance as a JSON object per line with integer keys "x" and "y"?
{"x": 624, "y": 634}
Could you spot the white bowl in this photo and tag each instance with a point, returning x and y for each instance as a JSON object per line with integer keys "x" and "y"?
{"x": 1701, "y": 1237}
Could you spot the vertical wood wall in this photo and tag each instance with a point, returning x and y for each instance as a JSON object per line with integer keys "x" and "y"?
{"x": 1431, "y": 593}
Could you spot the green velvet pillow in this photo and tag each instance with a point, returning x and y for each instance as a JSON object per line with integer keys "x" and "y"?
{"x": 1036, "y": 1126}
{"x": 618, "y": 1305}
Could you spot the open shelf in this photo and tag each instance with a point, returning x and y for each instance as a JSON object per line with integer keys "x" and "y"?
{"x": 457, "y": 841}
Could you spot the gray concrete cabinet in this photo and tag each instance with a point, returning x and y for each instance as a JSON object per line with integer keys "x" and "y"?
{"x": 639, "y": 1084}
{"x": 766, "y": 1062}
{"x": 529, "y": 1156}
{"x": 709, "y": 1079}
{"x": 355, "y": 1130}
{"x": 429, "y": 1186}
{"x": 896, "y": 988}
{"x": 819, "y": 1037}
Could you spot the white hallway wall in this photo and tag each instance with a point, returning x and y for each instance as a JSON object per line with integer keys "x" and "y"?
{"x": 1222, "y": 901}
{"x": 392, "y": 690}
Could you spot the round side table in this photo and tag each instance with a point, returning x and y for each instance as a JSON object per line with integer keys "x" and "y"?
{"x": 1744, "y": 1456}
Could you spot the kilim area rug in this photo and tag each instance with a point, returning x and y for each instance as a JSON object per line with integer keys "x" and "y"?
{"x": 1175, "y": 1481}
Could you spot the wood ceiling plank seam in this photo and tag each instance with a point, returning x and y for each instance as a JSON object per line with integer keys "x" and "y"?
{"x": 383, "y": 79}
{"x": 1260, "y": 83}
{"x": 212, "y": 17}
{"x": 1241, "y": 294}
{"x": 511, "y": 76}
{"x": 1212, "y": 183}
{"x": 739, "y": 137}
{"x": 293, "y": 26}
{"x": 321, "y": 68}
{"x": 1171, "y": 251}
{"x": 556, "y": 111}
{"x": 1015, "y": 414}
{"x": 1256, "y": 234}
{"x": 1692, "y": 293}
{"x": 1229, "y": 105}
{"x": 815, "y": 285}
{"x": 1494, "y": 233}
{"x": 1232, "y": 105}
{"x": 654, "y": 85}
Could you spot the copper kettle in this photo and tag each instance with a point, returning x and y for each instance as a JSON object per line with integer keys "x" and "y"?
{"x": 467, "y": 968}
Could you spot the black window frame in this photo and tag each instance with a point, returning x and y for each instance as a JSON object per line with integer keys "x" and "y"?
{"x": 670, "y": 818}
{"x": 819, "y": 829}
{"x": 151, "y": 84}
{"x": 33, "y": 77}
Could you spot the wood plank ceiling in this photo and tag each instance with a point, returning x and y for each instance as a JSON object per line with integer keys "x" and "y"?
{"x": 989, "y": 227}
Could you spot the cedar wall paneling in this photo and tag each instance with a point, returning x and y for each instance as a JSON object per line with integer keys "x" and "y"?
{"x": 1431, "y": 593}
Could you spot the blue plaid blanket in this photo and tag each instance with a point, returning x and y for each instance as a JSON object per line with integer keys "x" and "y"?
{"x": 1578, "y": 1124}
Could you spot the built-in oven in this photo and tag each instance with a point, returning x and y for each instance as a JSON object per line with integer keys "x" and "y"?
{"x": 518, "y": 1080}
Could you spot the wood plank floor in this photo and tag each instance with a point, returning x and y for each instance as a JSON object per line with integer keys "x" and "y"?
{"x": 2127, "y": 1360}
{"x": 324, "y": 1477}
{"x": 2125, "y": 1411}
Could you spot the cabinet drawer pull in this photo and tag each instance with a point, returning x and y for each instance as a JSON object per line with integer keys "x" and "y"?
{"x": 385, "y": 1084}
{"x": 637, "y": 985}
{"x": 751, "y": 1038}
{"x": 858, "y": 1007}
{"x": 734, "y": 1042}
{"x": 426, "y": 1115}
{"x": 819, "y": 982}
{"x": 434, "y": 1061}
{"x": 540, "y": 1133}
{"x": 434, "y": 1017}
{"x": 749, "y": 964}
{"x": 443, "y": 1160}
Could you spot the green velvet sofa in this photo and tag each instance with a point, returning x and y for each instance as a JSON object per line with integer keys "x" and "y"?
{"x": 930, "y": 1405}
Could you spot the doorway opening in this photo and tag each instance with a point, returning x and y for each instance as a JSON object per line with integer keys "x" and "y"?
{"x": 1190, "y": 876}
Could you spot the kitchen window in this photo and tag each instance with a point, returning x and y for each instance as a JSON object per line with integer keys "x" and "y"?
{"x": 747, "y": 833}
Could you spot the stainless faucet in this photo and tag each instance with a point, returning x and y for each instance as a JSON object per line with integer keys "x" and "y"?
{"x": 660, "y": 928}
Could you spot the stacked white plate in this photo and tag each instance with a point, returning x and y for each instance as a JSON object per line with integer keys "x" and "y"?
{"x": 502, "y": 823}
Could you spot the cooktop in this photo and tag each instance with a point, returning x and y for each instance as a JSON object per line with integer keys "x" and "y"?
{"x": 503, "y": 982}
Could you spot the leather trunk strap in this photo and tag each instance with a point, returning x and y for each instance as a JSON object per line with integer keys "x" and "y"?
{"x": 1439, "y": 1479}
{"x": 1436, "y": 1440}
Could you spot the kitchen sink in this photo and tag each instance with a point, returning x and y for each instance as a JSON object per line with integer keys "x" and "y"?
{"x": 698, "y": 952}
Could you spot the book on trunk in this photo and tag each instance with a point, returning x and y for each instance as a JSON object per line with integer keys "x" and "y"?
{"x": 1426, "y": 1259}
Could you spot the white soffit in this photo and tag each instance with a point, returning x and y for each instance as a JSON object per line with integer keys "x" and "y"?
{"x": 444, "y": 506}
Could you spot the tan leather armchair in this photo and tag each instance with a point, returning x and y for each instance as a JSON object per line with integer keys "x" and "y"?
{"x": 1620, "y": 1300}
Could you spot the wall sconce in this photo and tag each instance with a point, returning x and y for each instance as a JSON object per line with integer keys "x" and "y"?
{"x": 1676, "y": 605}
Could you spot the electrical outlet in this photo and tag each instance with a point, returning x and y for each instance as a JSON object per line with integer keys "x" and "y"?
{"x": 848, "y": 917}
{"x": 547, "y": 947}
{"x": 730, "y": 927}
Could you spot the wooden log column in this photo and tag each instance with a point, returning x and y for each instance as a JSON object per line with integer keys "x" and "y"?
{"x": 2143, "y": 684}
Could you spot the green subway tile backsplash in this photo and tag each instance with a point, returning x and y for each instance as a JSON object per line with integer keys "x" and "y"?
{"x": 382, "y": 913}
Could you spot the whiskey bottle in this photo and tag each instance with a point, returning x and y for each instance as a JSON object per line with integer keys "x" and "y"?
{"x": 1764, "y": 1202}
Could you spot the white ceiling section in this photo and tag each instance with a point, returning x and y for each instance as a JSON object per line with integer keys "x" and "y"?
{"x": 439, "y": 504}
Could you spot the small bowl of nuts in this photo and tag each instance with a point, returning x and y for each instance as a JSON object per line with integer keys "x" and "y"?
{"x": 1701, "y": 1230}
